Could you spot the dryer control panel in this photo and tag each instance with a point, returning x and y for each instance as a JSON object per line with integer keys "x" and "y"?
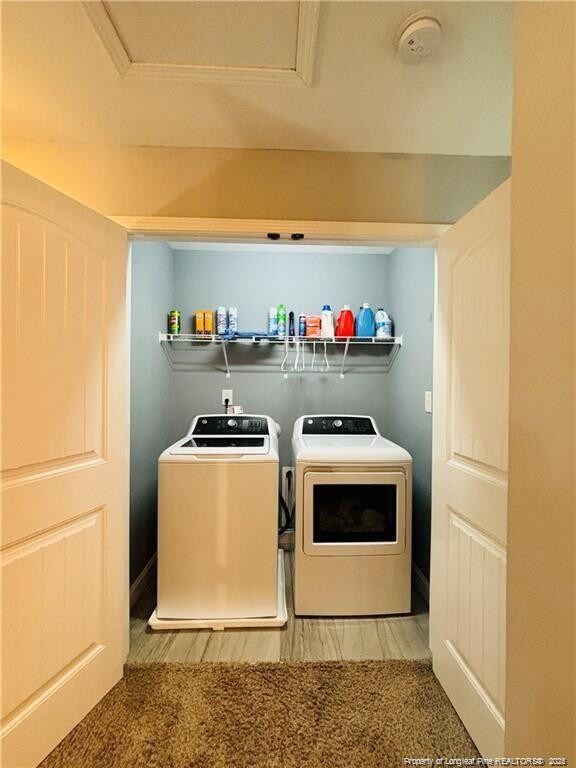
{"x": 230, "y": 425}
{"x": 338, "y": 425}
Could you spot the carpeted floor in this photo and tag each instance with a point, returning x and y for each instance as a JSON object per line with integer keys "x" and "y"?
{"x": 368, "y": 714}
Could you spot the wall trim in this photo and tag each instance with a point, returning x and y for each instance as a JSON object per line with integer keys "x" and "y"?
{"x": 421, "y": 583}
{"x": 255, "y": 230}
{"x": 142, "y": 580}
{"x": 300, "y": 75}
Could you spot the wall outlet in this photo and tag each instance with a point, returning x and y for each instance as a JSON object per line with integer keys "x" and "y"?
{"x": 428, "y": 402}
{"x": 227, "y": 394}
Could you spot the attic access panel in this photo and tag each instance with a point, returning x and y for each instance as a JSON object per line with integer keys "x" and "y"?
{"x": 248, "y": 41}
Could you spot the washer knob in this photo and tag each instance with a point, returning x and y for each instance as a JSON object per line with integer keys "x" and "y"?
{"x": 232, "y": 423}
{"x": 337, "y": 423}
{"x": 204, "y": 421}
{"x": 310, "y": 421}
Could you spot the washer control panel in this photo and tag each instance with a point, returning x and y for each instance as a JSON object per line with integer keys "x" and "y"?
{"x": 338, "y": 425}
{"x": 230, "y": 425}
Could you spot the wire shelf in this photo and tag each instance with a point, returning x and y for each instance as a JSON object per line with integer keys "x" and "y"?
{"x": 290, "y": 344}
{"x": 278, "y": 340}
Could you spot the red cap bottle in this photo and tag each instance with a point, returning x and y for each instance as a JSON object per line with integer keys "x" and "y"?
{"x": 345, "y": 323}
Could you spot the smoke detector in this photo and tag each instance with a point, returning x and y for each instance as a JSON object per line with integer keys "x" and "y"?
{"x": 420, "y": 36}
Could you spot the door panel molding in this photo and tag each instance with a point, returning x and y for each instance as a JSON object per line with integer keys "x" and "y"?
{"x": 477, "y": 610}
{"x": 479, "y": 279}
{"x": 53, "y": 578}
{"x": 474, "y": 682}
{"x": 54, "y": 296}
{"x": 51, "y": 687}
{"x": 33, "y": 472}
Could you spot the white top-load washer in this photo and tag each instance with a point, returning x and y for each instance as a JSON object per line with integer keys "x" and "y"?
{"x": 353, "y": 523}
{"x": 218, "y": 562}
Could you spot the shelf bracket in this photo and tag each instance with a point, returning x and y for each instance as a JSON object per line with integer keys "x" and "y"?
{"x": 284, "y": 363}
{"x": 225, "y": 355}
{"x": 344, "y": 356}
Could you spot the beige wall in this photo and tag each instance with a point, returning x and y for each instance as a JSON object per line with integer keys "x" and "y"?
{"x": 333, "y": 186}
{"x": 541, "y": 678}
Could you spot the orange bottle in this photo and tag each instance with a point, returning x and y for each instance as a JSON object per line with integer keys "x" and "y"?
{"x": 313, "y": 326}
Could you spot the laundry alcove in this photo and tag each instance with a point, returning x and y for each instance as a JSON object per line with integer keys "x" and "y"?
{"x": 169, "y": 387}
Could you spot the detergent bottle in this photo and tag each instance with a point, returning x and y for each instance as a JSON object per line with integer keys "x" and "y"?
{"x": 327, "y": 324}
{"x": 383, "y": 325}
{"x": 282, "y": 320}
{"x": 345, "y": 323}
{"x": 365, "y": 324}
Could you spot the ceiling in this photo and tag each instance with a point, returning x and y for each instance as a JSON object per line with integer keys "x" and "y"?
{"x": 271, "y": 75}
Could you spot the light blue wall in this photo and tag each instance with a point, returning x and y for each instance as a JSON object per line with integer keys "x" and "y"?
{"x": 253, "y": 282}
{"x": 151, "y": 387}
{"x": 411, "y": 300}
{"x": 165, "y": 398}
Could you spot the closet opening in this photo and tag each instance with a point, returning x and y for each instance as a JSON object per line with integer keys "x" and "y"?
{"x": 182, "y": 371}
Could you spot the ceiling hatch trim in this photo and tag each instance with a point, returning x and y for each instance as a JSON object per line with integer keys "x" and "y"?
{"x": 301, "y": 75}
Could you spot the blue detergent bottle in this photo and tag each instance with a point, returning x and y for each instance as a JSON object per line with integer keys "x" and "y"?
{"x": 365, "y": 323}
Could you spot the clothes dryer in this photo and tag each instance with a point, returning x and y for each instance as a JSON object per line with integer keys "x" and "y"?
{"x": 353, "y": 527}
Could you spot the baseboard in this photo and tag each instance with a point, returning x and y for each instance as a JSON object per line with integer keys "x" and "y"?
{"x": 421, "y": 583}
{"x": 142, "y": 580}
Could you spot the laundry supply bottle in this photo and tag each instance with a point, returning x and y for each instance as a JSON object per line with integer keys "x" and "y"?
{"x": 365, "y": 325}
{"x": 383, "y": 325}
{"x": 273, "y": 321}
{"x": 313, "y": 326}
{"x": 291, "y": 328}
{"x": 327, "y": 323}
{"x": 345, "y": 324}
{"x": 233, "y": 319}
{"x": 221, "y": 320}
{"x": 282, "y": 320}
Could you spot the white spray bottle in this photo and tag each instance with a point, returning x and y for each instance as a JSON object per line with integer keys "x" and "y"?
{"x": 327, "y": 324}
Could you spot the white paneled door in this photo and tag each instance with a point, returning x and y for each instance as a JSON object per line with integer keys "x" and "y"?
{"x": 470, "y": 468}
{"x": 64, "y": 464}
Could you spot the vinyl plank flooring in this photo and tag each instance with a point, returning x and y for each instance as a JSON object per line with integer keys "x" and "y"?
{"x": 243, "y": 645}
{"x": 302, "y": 639}
{"x": 187, "y": 647}
{"x": 410, "y": 639}
{"x": 359, "y": 639}
{"x": 424, "y": 624}
{"x": 315, "y": 640}
{"x": 154, "y": 647}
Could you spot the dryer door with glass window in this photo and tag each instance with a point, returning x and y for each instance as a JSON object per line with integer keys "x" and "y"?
{"x": 354, "y": 513}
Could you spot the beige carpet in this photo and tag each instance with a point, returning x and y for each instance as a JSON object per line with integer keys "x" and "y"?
{"x": 299, "y": 715}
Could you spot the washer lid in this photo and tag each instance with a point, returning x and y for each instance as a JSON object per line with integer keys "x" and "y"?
{"x": 219, "y": 445}
{"x": 349, "y": 449}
